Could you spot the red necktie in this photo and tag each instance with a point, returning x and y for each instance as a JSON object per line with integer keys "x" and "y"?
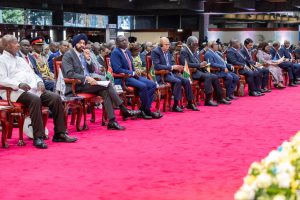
{"x": 128, "y": 60}
{"x": 27, "y": 59}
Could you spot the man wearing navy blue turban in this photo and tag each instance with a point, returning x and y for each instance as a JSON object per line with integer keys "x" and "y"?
{"x": 76, "y": 63}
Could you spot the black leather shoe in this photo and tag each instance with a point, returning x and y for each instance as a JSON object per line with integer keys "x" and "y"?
{"x": 39, "y": 143}
{"x": 114, "y": 126}
{"x": 232, "y": 97}
{"x": 63, "y": 137}
{"x": 177, "y": 109}
{"x": 210, "y": 103}
{"x": 156, "y": 115}
{"x": 130, "y": 113}
{"x": 266, "y": 90}
{"x": 228, "y": 99}
{"x": 223, "y": 101}
{"x": 259, "y": 93}
{"x": 144, "y": 115}
{"x": 296, "y": 82}
{"x": 254, "y": 94}
{"x": 292, "y": 85}
{"x": 192, "y": 107}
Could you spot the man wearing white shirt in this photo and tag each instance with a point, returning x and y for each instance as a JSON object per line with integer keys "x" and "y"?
{"x": 15, "y": 72}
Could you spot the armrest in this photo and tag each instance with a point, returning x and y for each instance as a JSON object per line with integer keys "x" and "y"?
{"x": 161, "y": 72}
{"x": 73, "y": 82}
{"x": 121, "y": 75}
{"x": 238, "y": 67}
{"x": 214, "y": 69}
{"x": 8, "y": 92}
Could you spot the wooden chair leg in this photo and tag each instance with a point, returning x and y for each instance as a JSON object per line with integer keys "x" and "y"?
{"x": 11, "y": 125}
{"x": 73, "y": 117}
{"x": 5, "y": 125}
{"x": 79, "y": 111}
{"x": 93, "y": 115}
{"x": 158, "y": 98}
{"x": 85, "y": 127}
{"x": 21, "y": 141}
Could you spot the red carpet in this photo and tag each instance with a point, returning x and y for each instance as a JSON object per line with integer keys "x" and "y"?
{"x": 191, "y": 156}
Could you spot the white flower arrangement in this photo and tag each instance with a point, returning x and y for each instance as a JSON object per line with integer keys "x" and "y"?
{"x": 276, "y": 177}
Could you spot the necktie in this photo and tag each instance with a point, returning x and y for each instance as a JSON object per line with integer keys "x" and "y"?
{"x": 128, "y": 60}
{"x": 27, "y": 59}
{"x": 220, "y": 59}
{"x": 196, "y": 57}
{"x": 84, "y": 65}
{"x": 166, "y": 57}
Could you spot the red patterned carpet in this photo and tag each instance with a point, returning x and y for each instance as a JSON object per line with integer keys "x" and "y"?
{"x": 191, "y": 156}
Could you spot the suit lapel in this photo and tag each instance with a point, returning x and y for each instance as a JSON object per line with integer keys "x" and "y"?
{"x": 77, "y": 60}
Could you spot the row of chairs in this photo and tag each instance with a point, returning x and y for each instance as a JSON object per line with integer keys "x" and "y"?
{"x": 79, "y": 103}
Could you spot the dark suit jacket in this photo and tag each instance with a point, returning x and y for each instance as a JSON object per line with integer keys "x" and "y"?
{"x": 101, "y": 61}
{"x": 284, "y": 52}
{"x": 50, "y": 60}
{"x": 234, "y": 58}
{"x": 72, "y": 68}
{"x": 34, "y": 64}
{"x": 248, "y": 58}
{"x": 192, "y": 60}
{"x": 215, "y": 61}
{"x": 160, "y": 63}
{"x": 120, "y": 64}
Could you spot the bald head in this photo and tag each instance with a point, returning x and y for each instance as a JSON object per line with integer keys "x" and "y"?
{"x": 10, "y": 44}
{"x": 164, "y": 43}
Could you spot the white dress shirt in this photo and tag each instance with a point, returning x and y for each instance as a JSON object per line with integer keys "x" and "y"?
{"x": 13, "y": 71}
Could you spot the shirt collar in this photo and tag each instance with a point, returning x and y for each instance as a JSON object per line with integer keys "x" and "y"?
{"x": 22, "y": 54}
{"x": 77, "y": 53}
{"x": 9, "y": 54}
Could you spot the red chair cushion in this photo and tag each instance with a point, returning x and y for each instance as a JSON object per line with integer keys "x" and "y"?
{"x": 86, "y": 95}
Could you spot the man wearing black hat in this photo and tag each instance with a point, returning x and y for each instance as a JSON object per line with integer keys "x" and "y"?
{"x": 76, "y": 63}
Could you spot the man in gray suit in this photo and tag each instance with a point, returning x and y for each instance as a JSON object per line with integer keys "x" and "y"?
{"x": 76, "y": 63}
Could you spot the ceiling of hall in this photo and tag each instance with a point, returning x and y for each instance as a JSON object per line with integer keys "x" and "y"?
{"x": 157, "y": 7}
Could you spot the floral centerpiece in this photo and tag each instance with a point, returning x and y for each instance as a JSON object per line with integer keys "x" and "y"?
{"x": 276, "y": 177}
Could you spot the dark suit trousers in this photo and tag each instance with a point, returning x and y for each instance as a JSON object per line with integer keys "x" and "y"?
{"x": 296, "y": 70}
{"x": 230, "y": 81}
{"x": 288, "y": 66}
{"x": 177, "y": 82}
{"x": 35, "y": 103}
{"x": 108, "y": 94}
{"x": 146, "y": 89}
{"x": 210, "y": 80}
{"x": 264, "y": 74}
{"x": 250, "y": 79}
{"x": 49, "y": 85}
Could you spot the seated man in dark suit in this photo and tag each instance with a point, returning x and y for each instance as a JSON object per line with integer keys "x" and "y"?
{"x": 189, "y": 54}
{"x": 121, "y": 62}
{"x": 76, "y": 63}
{"x": 263, "y": 73}
{"x": 286, "y": 52}
{"x": 285, "y": 65}
{"x": 225, "y": 69}
{"x": 162, "y": 60}
{"x": 63, "y": 48}
{"x": 235, "y": 57}
{"x": 24, "y": 53}
{"x": 30, "y": 90}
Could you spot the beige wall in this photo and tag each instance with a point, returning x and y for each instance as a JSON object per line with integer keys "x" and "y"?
{"x": 257, "y": 36}
{"x": 147, "y": 36}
